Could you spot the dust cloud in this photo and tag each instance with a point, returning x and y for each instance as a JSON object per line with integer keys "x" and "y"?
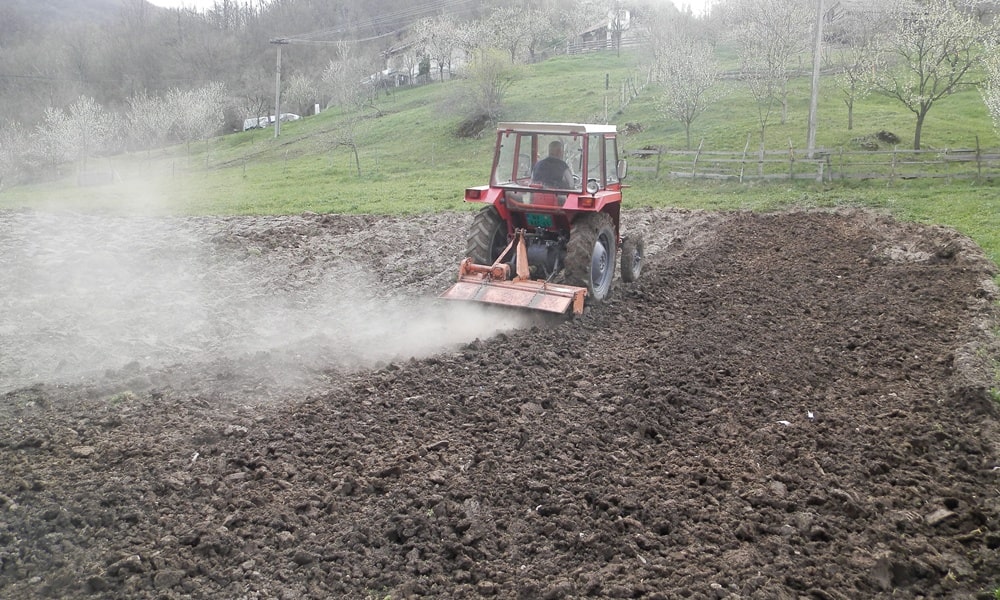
{"x": 84, "y": 294}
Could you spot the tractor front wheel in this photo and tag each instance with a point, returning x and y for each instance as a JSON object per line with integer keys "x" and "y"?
{"x": 590, "y": 255}
{"x": 632, "y": 250}
{"x": 487, "y": 236}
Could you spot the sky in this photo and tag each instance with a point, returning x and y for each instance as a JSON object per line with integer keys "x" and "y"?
{"x": 195, "y": 4}
{"x": 697, "y": 6}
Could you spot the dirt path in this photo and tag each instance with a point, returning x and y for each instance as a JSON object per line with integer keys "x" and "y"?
{"x": 793, "y": 405}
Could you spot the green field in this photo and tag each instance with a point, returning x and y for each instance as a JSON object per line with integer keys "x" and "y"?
{"x": 412, "y": 162}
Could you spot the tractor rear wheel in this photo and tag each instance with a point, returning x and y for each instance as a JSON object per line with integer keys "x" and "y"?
{"x": 590, "y": 255}
{"x": 487, "y": 236}
{"x": 632, "y": 250}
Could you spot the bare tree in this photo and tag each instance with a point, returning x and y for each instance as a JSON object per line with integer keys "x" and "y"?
{"x": 254, "y": 92}
{"x": 658, "y": 27}
{"x": 13, "y": 147}
{"x": 854, "y": 54}
{"x": 507, "y": 26}
{"x": 473, "y": 36}
{"x": 49, "y": 142}
{"x": 346, "y": 79}
{"x": 540, "y": 32}
{"x": 346, "y": 135}
{"x": 439, "y": 37}
{"x": 584, "y": 14}
{"x": 198, "y": 114}
{"x": 91, "y": 129}
{"x": 149, "y": 120}
{"x": 490, "y": 76}
{"x": 689, "y": 75}
{"x": 928, "y": 56}
{"x": 769, "y": 34}
{"x": 301, "y": 93}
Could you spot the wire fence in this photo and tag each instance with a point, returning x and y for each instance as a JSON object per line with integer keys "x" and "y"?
{"x": 822, "y": 165}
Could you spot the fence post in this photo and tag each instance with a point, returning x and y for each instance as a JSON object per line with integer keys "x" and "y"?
{"x": 892, "y": 172}
{"x": 743, "y": 161}
{"x": 791, "y": 160}
{"x": 979, "y": 162}
{"x": 945, "y": 159}
{"x": 694, "y": 165}
{"x": 659, "y": 157}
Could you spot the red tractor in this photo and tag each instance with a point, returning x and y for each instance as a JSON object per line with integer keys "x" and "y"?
{"x": 549, "y": 233}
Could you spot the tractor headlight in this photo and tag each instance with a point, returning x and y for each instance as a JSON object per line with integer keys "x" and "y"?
{"x": 593, "y": 187}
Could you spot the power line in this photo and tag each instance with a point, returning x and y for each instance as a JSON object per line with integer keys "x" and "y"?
{"x": 394, "y": 21}
{"x": 55, "y": 79}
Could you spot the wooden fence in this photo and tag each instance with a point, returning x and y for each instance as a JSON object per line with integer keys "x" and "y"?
{"x": 824, "y": 165}
{"x": 580, "y": 47}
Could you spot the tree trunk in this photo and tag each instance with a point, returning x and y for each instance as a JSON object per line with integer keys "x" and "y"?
{"x": 920, "y": 125}
{"x": 760, "y": 157}
{"x": 784, "y": 103}
{"x": 850, "y": 113}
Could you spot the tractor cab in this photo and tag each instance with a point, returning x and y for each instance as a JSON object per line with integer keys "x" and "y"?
{"x": 524, "y": 165}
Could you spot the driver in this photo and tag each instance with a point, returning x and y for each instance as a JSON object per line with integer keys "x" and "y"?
{"x": 552, "y": 171}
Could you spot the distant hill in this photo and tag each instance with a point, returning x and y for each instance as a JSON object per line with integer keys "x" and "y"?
{"x": 38, "y": 14}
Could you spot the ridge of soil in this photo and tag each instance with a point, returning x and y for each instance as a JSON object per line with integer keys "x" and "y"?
{"x": 790, "y": 405}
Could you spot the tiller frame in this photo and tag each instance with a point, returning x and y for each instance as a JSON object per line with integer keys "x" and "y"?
{"x": 494, "y": 284}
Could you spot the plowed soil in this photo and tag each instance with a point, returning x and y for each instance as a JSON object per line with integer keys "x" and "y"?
{"x": 794, "y": 405}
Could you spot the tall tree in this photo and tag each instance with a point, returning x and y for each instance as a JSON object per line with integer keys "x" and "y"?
{"x": 769, "y": 35}
{"x": 200, "y": 113}
{"x": 345, "y": 76}
{"x": 439, "y": 37}
{"x": 80, "y": 132}
{"x": 540, "y": 32}
{"x": 301, "y": 93}
{"x": 928, "y": 56}
{"x": 508, "y": 28}
{"x": 854, "y": 55}
{"x": 150, "y": 120}
{"x": 688, "y": 73}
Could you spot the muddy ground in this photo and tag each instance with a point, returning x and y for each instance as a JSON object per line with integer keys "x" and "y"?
{"x": 791, "y": 405}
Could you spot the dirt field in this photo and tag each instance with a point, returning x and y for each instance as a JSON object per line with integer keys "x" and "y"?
{"x": 793, "y": 405}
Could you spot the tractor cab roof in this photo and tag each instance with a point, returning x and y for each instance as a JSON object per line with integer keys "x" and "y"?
{"x": 557, "y": 128}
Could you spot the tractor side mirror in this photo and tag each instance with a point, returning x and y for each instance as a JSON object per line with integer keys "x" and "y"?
{"x": 622, "y": 169}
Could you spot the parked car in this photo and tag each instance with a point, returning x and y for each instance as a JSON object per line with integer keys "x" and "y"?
{"x": 262, "y": 122}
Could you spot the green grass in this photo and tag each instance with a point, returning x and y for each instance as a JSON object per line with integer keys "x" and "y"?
{"x": 411, "y": 161}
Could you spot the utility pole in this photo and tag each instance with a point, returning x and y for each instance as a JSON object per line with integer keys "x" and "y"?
{"x": 814, "y": 98}
{"x": 278, "y": 42}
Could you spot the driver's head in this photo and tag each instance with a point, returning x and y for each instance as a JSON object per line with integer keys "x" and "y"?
{"x": 556, "y": 149}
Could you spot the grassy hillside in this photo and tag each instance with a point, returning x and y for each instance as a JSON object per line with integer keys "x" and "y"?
{"x": 411, "y": 161}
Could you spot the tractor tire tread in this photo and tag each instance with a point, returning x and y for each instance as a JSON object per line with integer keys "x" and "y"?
{"x": 585, "y": 232}
{"x": 487, "y": 225}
